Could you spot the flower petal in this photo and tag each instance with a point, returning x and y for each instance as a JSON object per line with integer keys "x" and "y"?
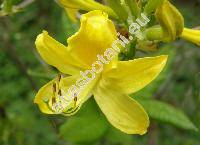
{"x": 191, "y": 35}
{"x": 72, "y": 13}
{"x": 78, "y": 4}
{"x": 56, "y": 54}
{"x": 74, "y": 4}
{"x": 84, "y": 94}
{"x": 122, "y": 111}
{"x": 56, "y": 92}
{"x": 131, "y": 76}
{"x": 95, "y": 35}
{"x": 87, "y": 5}
{"x": 43, "y": 96}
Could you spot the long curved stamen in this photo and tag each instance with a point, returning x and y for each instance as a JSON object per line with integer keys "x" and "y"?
{"x": 59, "y": 77}
{"x": 54, "y": 88}
{"x": 54, "y": 92}
{"x": 60, "y": 93}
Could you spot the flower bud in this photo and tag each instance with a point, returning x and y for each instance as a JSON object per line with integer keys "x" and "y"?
{"x": 171, "y": 21}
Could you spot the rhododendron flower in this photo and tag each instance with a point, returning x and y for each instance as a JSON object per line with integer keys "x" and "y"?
{"x": 111, "y": 85}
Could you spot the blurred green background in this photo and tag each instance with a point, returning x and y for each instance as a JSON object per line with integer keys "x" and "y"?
{"x": 22, "y": 73}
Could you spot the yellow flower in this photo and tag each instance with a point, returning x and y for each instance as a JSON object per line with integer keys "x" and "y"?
{"x": 191, "y": 35}
{"x": 87, "y": 5}
{"x": 110, "y": 85}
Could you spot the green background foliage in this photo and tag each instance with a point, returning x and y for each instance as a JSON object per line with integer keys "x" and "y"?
{"x": 172, "y": 100}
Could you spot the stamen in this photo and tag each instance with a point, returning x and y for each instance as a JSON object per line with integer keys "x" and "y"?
{"x": 53, "y": 100}
{"x": 59, "y": 77}
{"x": 54, "y": 88}
{"x": 75, "y": 100}
{"x": 60, "y": 93}
{"x": 54, "y": 91}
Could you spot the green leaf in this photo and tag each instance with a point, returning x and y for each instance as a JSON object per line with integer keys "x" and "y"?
{"x": 88, "y": 126}
{"x": 164, "y": 112}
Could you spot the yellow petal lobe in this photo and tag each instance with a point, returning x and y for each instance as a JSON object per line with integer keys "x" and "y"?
{"x": 63, "y": 95}
{"x": 87, "y": 5}
{"x": 56, "y": 54}
{"x": 95, "y": 35}
{"x": 191, "y": 35}
{"x": 131, "y": 76}
{"x": 122, "y": 111}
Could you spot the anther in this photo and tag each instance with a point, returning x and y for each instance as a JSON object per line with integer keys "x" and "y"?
{"x": 60, "y": 93}
{"x": 54, "y": 91}
{"x": 54, "y": 87}
{"x": 53, "y": 100}
{"x": 59, "y": 77}
{"x": 75, "y": 100}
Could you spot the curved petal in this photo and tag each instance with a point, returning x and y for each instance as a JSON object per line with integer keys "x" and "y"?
{"x": 77, "y": 4}
{"x": 72, "y": 13}
{"x": 70, "y": 4}
{"x": 43, "y": 96}
{"x": 56, "y": 54}
{"x": 122, "y": 111}
{"x": 131, "y": 76}
{"x": 56, "y": 97}
{"x": 95, "y": 35}
{"x": 87, "y": 5}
